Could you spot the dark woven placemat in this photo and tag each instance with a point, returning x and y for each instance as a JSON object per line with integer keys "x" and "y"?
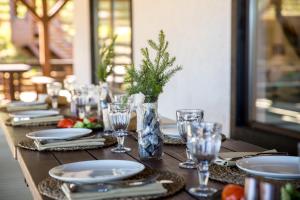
{"x": 236, "y": 176}
{"x": 29, "y": 144}
{"x": 172, "y": 140}
{"x": 51, "y": 187}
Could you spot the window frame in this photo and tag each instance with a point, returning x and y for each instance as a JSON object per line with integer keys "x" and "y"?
{"x": 241, "y": 125}
{"x": 94, "y": 37}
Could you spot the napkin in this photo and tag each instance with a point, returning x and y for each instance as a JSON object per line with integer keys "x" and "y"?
{"x": 171, "y": 131}
{"x": 21, "y": 106}
{"x": 36, "y": 120}
{"x": 225, "y": 158}
{"x": 149, "y": 189}
{"x": 44, "y": 145}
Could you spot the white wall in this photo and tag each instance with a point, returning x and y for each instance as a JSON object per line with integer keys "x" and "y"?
{"x": 81, "y": 42}
{"x": 199, "y": 36}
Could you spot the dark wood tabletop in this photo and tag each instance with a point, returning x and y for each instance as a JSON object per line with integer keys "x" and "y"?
{"x": 35, "y": 165}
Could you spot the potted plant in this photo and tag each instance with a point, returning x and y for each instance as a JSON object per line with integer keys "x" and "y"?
{"x": 150, "y": 79}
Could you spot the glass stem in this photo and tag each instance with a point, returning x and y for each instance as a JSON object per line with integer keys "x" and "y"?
{"x": 54, "y": 102}
{"x": 120, "y": 140}
{"x": 189, "y": 155}
{"x": 203, "y": 174}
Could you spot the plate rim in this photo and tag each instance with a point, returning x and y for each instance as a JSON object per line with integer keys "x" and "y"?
{"x": 94, "y": 180}
{"x": 29, "y": 135}
{"x": 14, "y": 114}
{"x": 267, "y": 174}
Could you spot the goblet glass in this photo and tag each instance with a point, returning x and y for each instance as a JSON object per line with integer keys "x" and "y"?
{"x": 91, "y": 96}
{"x": 119, "y": 116}
{"x": 53, "y": 91}
{"x": 80, "y": 97}
{"x": 120, "y": 98}
{"x": 204, "y": 145}
{"x": 184, "y": 118}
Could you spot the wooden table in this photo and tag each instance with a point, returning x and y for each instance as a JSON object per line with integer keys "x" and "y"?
{"x": 11, "y": 69}
{"x": 35, "y": 165}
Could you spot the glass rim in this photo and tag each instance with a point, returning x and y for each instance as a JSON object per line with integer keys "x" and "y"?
{"x": 190, "y": 110}
{"x": 215, "y": 124}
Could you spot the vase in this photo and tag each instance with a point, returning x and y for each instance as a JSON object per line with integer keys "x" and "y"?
{"x": 150, "y": 137}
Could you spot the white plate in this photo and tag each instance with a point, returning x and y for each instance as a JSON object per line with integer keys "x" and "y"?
{"x": 58, "y": 133}
{"x": 22, "y": 103}
{"x": 34, "y": 113}
{"x": 277, "y": 167}
{"x": 96, "y": 171}
{"x": 170, "y": 130}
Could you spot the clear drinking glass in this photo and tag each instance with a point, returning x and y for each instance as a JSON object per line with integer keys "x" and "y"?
{"x": 91, "y": 96}
{"x": 80, "y": 98}
{"x": 53, "y": 91}
{"x": 204, "y": 145}
{"x": 119, "y": 116}
{"x": 184, "y": 118}
{"x": 120, "y": 98}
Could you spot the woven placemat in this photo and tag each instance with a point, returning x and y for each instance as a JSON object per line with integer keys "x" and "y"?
{"x": 179, "y": 141}
{"x": 172, "y": 140}
{"x": 29, "y": 144}
{"x": 51, "y": 187}
{"x": 236, "y": 176}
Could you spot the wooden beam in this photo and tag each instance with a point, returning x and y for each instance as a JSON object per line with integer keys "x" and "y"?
{"x": 56, "y": 8}
{"x": 31, "y": 9}
{"x": 44, "y": 40}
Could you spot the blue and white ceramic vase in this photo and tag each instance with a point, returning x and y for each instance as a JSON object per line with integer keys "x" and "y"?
{"x": 150, "y": 137}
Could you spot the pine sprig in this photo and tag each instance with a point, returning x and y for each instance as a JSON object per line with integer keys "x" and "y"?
{"x": 154, "y": 73}
{"x": 107, "y": 55}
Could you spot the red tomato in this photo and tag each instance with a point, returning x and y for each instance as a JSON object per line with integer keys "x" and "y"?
{"x": 92, "y": 119}
{"x": 233, "y": 192}
{"x": 65, "y": 123}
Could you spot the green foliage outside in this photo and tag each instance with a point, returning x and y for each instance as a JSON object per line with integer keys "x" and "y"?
{"x": 153, "y": 74}
{"x": 107, "y": 55}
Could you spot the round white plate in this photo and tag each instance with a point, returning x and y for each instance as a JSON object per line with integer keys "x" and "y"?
{"x": 34, "y": 113}
{"x": 96, "y": 171}
{"x": 170, "y": 130}
{"x": 277, "y": 167}
{"x": 58, "y": 133}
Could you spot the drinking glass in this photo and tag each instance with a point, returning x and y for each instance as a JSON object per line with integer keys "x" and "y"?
{"x": 119, "y": 116}
{"x": 91, "y": 96}
{"x": 53, "y": 91}
{"x": 184, "y": 118}
{"x": 204, "y": 145}
{"x": 120, "y": 98}
{"x": 80, "y": 97}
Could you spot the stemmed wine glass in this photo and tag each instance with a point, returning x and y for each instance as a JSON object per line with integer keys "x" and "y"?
{"x": 119, "y": 116}
{"x": 184, "y": 118}
{"x": 204, "y": 145}
{"x": 53, "y": 91}
{"x": 80, "y": 97}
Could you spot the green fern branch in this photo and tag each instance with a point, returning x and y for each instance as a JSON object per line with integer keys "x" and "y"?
{"x": 153, "y": 74}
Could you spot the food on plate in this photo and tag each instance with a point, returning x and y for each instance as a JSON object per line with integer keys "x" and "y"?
{"x": 90, "y": 123}
{"x": 233, "y": 192}
{"x": 65, "y": 123}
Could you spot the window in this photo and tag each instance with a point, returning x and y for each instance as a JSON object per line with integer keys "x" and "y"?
{"x": 113, "y": 17}
{"x": 275, "y": 62}
{"x": 266, "y": 67}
